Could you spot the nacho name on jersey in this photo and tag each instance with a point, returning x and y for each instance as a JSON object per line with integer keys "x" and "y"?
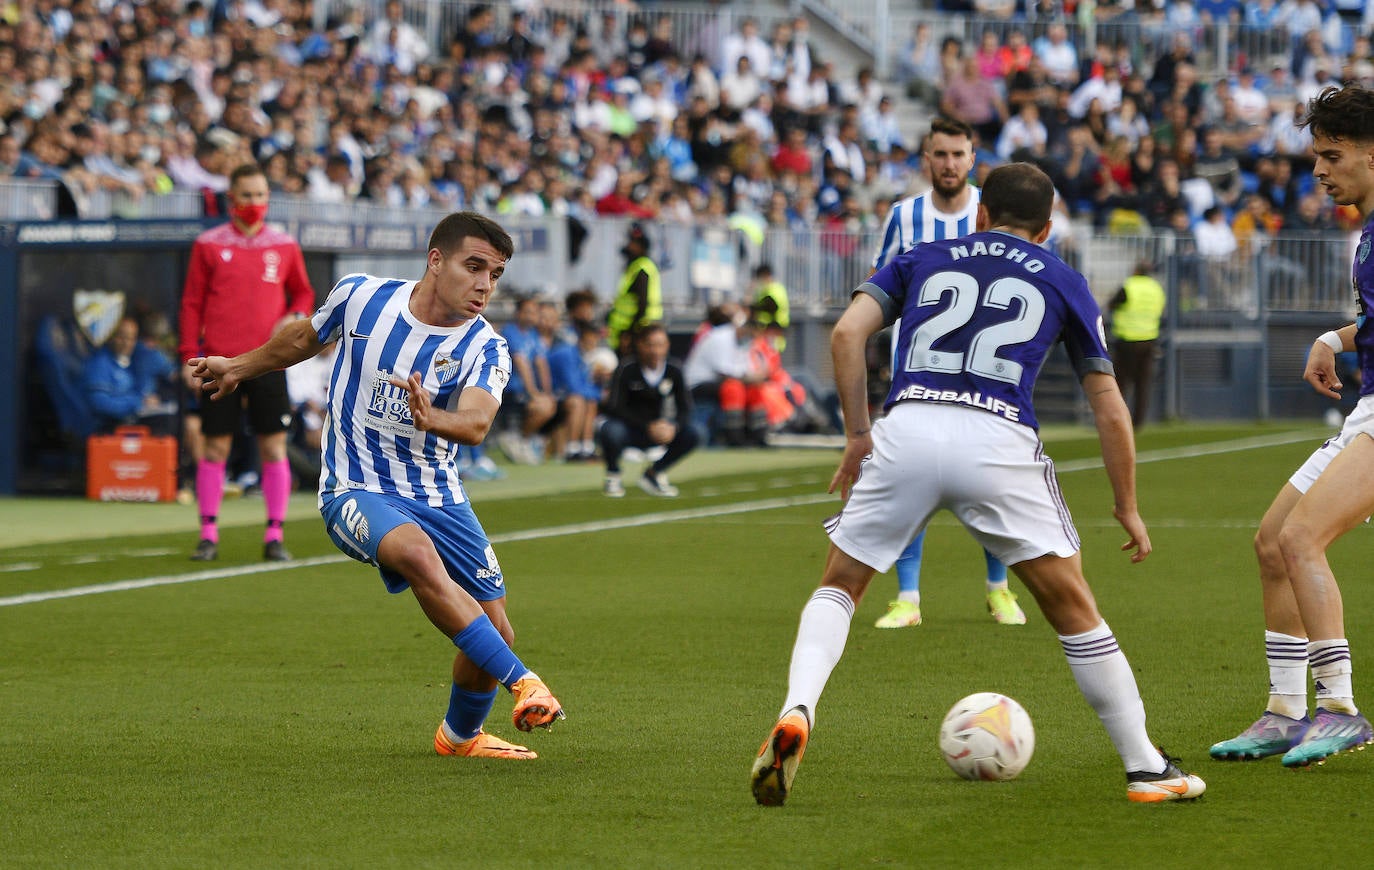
{"x": 997, "y": 249}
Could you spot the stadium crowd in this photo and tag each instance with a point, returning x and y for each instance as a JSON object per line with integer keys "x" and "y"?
{"x": 605, "y": 114}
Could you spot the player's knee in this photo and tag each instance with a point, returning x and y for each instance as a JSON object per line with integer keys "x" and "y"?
{"x": 1267, "y": 548}
{"x": 1296, "y": 542}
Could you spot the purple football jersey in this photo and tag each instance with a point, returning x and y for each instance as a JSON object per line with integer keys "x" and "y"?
{"x": 1362, "y": 279}
{"x": 978, "y": 317}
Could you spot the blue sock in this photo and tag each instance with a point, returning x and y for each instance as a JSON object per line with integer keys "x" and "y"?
{"x": 467, "y": 711}
{"x": 483, "y": 644}
{"x": 997, "y": 572}
{"x": 909, "y": 568}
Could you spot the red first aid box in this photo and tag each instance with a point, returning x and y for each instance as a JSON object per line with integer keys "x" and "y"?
{"x": 131, "y": 465}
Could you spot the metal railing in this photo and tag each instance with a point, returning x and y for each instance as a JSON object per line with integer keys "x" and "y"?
{"x": 877, "y": 28}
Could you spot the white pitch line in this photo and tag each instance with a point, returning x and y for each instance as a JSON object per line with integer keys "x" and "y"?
{"x": 609, "y": 524}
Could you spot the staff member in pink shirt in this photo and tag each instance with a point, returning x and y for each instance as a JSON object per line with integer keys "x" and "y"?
{"x": 245, "y": 280}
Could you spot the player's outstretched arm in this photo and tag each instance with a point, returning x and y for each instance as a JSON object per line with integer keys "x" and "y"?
{"x": 847, "y": 342}
{"x": 295, "y": 342}
{"x": 1117, "y": 438}
{"x": 1320, "y": 370}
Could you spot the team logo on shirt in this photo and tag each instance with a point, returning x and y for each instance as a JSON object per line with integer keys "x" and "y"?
{"x": 271, "y": 263}
{"x": 1363, "y": 253}
{"x": 446, "y": 368}
{"x": 499, "y": 377}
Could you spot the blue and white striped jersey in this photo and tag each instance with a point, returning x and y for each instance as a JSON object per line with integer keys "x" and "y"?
{"x": 370, "y": 441}
{"x": 915, "y": 220}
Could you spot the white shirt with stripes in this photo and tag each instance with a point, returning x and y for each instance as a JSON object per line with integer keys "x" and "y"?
{"x": 916, "y": 219}
{"x": 370, "y": 440}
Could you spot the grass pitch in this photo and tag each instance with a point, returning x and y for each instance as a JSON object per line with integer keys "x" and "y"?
{"x": 247, "y": 717}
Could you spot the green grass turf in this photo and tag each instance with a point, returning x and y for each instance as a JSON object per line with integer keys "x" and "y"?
{"x": 284, "y": 718}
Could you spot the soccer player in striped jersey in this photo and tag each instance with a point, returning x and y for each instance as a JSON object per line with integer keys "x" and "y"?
{"x": 1328, "y": 496}
{"x": 419, "y": 372}
{"x": 979, "y": 316}
{"x": 947, "y": 211}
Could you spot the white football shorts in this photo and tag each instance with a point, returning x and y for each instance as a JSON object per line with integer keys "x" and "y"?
{"x": 989, "y": 472}
{"x": 1360, "y": 422}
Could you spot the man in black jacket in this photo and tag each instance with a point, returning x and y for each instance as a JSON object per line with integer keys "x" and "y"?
{"x": 648, "y": 405}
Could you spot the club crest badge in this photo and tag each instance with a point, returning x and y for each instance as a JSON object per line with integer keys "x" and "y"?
{"x": 1363, "y": 253}
{"x": 446, "y": 368}
{"x": 98, "y": 313}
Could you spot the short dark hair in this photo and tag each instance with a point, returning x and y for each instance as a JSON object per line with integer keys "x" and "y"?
{"x": 647, "y": 329}
{"x": 1018, "y": 195}
{"x": 951, "y": 127}
{"x": 579, "y": 297}
{"x": 245, "y": 170}
{"x": 449, "y": 233}
{"x": 1342, "y": 113}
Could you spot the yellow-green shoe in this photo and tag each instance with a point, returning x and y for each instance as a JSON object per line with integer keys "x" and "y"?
{"x": 1004, "y": 609}
{"x": 900, "y": 614}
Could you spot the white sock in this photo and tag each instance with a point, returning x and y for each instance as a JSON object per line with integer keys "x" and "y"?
{"x": 820, "y": 643}
{"x": 1331, "y": 674}
{"x": 997, "y": 585}
{"x": 914, "y": 596}
{"x": 1287, "y": 656}
{"x": 1105, "y": 679}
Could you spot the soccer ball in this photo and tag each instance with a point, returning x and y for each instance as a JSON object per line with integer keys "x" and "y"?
{"x": 987, "y": 736}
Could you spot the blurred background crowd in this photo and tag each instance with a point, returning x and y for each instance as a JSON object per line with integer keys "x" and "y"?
{"x": 535, "y": 111}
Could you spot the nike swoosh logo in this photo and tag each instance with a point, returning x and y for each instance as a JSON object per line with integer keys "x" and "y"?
{"x": 353, "y": 333}
{"x": 1180, "y": 788}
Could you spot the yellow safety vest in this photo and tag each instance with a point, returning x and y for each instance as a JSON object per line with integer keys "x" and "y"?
{"x": 1137, "y": 319}
{"x": 623, "y": 310}
{"x": 778, "y": 293}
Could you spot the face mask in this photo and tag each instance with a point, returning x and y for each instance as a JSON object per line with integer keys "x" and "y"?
{"x": 159, "y": 113}
{"x": 249, "y": 215}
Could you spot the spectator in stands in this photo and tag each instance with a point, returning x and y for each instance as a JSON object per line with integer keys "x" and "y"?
{"x": 1255, "y": 225}
{"x": 881, "y": 126}
{"x": 1219, "y": 166}
{"x": 648, "y": 405}
{"x": 10, "y": 155}
{"x": 1287, "y": 137}
{"x": 120, "y": 391}
{"x": 1024, "y": 134}
{"x": 1058, "y": 54}
{"x": 970, "y": 98}
{"x": 919, "y": 66}
{"x": 746, "y": 42}
{"x": 1162, "y": 195}
{"x": 332, "y": 182}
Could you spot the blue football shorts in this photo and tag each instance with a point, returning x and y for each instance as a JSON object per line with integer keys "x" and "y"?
{"x": 357, "y": 521}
